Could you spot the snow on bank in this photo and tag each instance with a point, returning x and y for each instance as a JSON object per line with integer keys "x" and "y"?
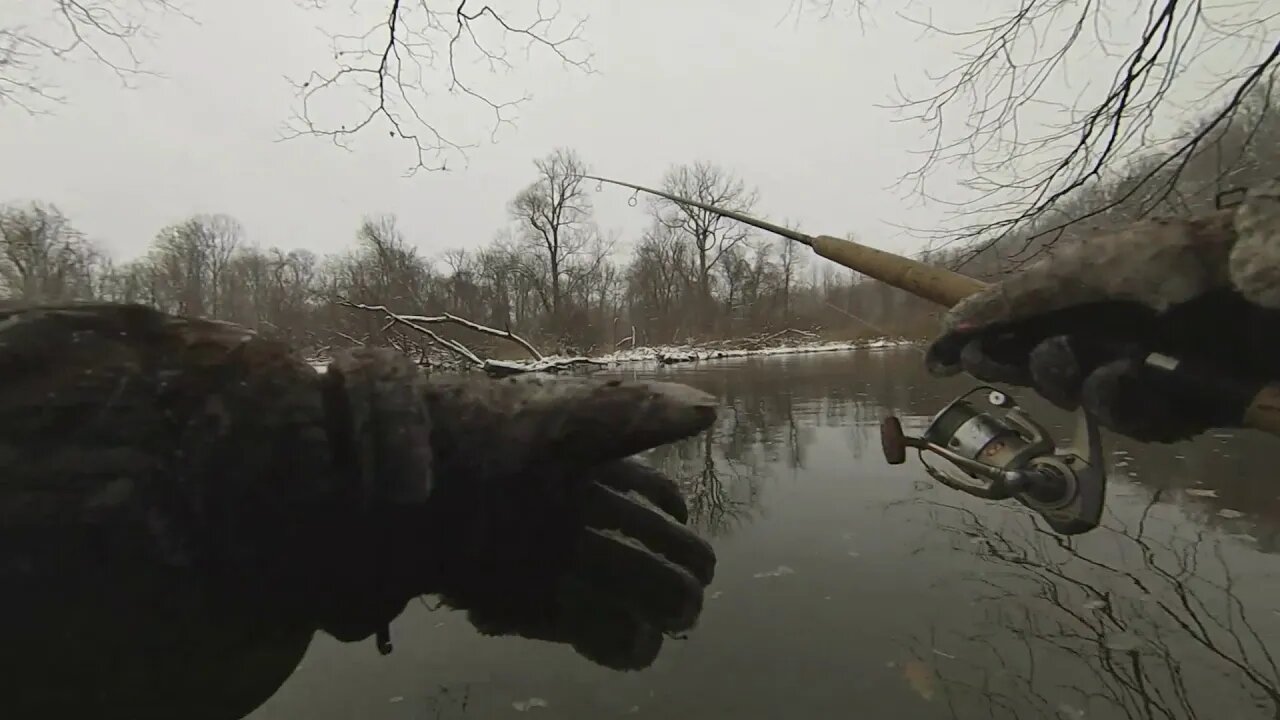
{"x": 677, "y": 354}
{"x": 669, "y": 355}
{"x": 672, "y": 354}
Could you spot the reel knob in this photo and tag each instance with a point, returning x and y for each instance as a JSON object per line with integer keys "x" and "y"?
{"x": 893, "y": 442}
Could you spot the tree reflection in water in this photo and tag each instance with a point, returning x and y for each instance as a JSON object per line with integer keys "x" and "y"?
{"x": 768, "y": 410}
{"x": 1164, "y": 612}
{"x": 1146, "y": 618}
{"x": 767, "y": 414}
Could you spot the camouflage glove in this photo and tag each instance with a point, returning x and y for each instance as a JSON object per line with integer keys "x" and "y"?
{"x": 1078, "y": 325}
{"x": 535, "y": 521}
{"x": 541, "y": 526}
{"x": 183, "y": 503}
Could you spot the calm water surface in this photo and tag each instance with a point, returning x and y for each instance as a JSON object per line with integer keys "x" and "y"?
{"x": 850, "y": 588}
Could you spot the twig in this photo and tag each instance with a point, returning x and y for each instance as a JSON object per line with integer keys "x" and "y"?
{"x": 497, "y": 368}
{"x": 347, "y": 337}
{"x": 457, "y": 347}
{"x": 446, "y": 318}
{"x": 454, "y": 319}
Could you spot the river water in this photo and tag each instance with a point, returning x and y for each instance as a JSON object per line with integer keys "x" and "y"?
{"x": 848, "y": 588}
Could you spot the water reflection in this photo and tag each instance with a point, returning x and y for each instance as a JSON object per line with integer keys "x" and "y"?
{"x": 1156, "y": 617}
{"x": 769, "y": 409}
{"x": 899, "y": 598}
{"x": 771, "y": 406}
{"x": 722, "y": 487}
{"x": 1165, "y": 612}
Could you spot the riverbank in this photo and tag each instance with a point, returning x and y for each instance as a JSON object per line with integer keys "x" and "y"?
{"x": 662, "y": 355}
{"x": 673, "y": 354}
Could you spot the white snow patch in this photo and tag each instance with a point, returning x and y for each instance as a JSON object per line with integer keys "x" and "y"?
{"x": 671, "y": 354}
{"x": 776, "y": 572}
{"x": 526, "y": 705}
{"x": 1201, "y": 492}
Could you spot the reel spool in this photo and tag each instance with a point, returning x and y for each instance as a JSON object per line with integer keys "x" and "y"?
{"x": 998, "y": 452}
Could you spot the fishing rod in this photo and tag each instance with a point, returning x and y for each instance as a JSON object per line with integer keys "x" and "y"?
{"x": 936, "y": 284}
{"x": 995, "y": 449}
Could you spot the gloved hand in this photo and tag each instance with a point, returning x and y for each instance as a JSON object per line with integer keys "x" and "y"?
{"x": 541, "y": 525}
{"x": 183, "y": 503}
{"x": 1077, "y": 325}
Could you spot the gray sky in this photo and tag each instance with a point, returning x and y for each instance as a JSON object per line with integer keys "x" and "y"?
{"x": 789, "y": 106}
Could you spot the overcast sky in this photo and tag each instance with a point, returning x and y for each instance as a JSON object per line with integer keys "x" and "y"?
{"x": 791, "y": 107}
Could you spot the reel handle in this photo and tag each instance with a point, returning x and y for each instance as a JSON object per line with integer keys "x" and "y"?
{"x": 893, "y": 441}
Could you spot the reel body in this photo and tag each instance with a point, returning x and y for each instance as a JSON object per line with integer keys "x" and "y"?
{"x": 996, "y": 451}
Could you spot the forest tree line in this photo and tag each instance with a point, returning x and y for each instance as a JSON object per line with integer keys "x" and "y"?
{"x": 553, "y": 275}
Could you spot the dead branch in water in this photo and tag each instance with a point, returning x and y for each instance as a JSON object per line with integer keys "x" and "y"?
{"x": 774, "y": 336}
{"x": 493, "y": 367}
{"x": 417, "y": 321}
{"x": 628, "y": 339}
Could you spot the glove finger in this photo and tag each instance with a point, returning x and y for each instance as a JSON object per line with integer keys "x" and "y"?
{"x": 381, "y": 427}
{"x": 942, "y": 357}
{"x": 1056, "y": 371}
{"x": 1126, "y": 398}
{"x": 607, "y": 509}
{"x": 656, "y": 487}
{"x": 605, "y": 633}
{"x": 1000, "y": 358}
{"x": 568, "y": 420}
{"x": 997, "y": 354}
{"x": 649, "y": 585}
{"x": 1059, "y": 365}
{"x": 1001, "y": 353}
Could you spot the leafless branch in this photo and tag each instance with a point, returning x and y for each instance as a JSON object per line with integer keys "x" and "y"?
{"x": 463, "y": 322}
{"x": 387, "y": 68}
{"x": 106, "y": 31}
{"x": 828, "y": 9}
{"x": 628, "y": 339}
{"x": 1020, "y": 180}
{"x": 457, "y": 348}
{"x": 490, "y": 366}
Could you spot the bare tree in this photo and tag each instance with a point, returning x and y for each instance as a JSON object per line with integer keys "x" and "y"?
{"x": 191, "y": 259}
{"x": 658, "y": 280}
{"x": 710, "y": 233}
{"x": 387, "y": 268}
{"x": 42, "y": 256}
{"x": 554, "y": 218}
{"x": 790, "y": 264}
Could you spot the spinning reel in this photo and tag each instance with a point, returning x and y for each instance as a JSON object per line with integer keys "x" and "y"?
{"x": 999, "y": 452}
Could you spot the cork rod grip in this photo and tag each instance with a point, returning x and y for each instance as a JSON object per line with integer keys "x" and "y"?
{"x": 936, "y": 284}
